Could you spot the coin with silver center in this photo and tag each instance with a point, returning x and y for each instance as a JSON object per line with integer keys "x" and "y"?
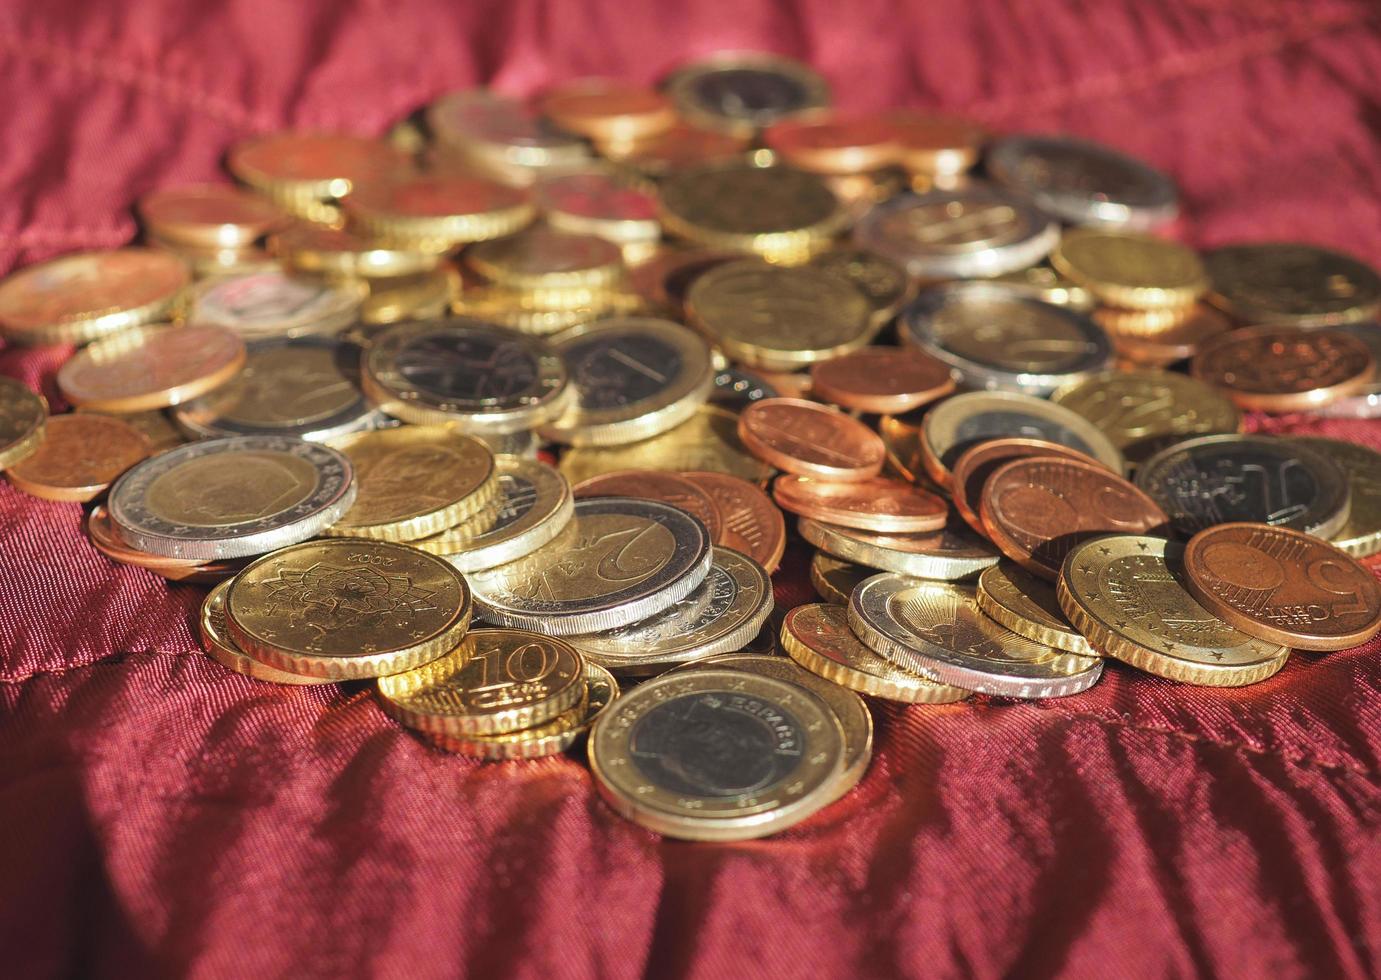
{"x": 994, "y": 336}
{"x": 619, "y": 560}
{"x": 231, "y": 497}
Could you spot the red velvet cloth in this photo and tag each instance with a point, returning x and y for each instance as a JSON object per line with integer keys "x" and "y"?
{"x": 160, "y": 815}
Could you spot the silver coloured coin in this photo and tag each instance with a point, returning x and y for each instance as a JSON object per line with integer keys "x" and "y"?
{"x": 305, "y": 387}
{"x": 619, "y": 560}
{"x": 954, "y": 554}
{"x": 1223, "y": 479}
{"x": 276, "y": 304}
{"x": 737, "y": 388}
{"x": 996, "y": 337}
{"x": 1084, "y": 183}
{"x": 725, "y": 612}
{"x": 937, "y": 630}
{"x": 536, "y": 507}
{"x": 231, "y": 497}
{"x": 973, "y": 231}
{"x": 963, "y": 421}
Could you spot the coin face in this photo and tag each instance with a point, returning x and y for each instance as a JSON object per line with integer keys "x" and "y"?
{"x": 231, "y": 497}
{"x": 681, "y": 148}
{"x": 1028, "y": 606}
{"x": 151, "y": 367}
{"x": 1283, "y": 586}
{"x": 974, "y": 231}
{"x": 218, "y": 644}
{"x": 1361, "y": 535}
{"x": 619, "y": 560}
{"x": 951, "y": 554}
{"x": 752, "y": 524}
{"x": 1125, "y": 594}
{"x": 502, "y": 125}
{"x": 810, "y": 439}
{"x": 707, "y": 441}
{"x": 1292, "y": 284}
{"x": 981, "y": 460}
{"x": 1130, "y": 270}
{"x": 655, "y": 485}
{"x": 993, "y": 337}
{"x": 882, "y": 380}
{"x": 1084, "y": 183}
{"x": 717, "y": 754}
{"x": 739, "y": 203}
{"x": 441, "y": 207}
{"x": 275, "y": 304}
{"x": 539, "y": 258}
{"x": 324, "y": 164}
{"x": 23, "y": 414}
{"x": 937, "y": 629}
{"x": 599, "y": 203}
{"x": 322, "y": 249}
{"x": 605, "y": 109}
{"x": 79, "y": 457}
{"x": 1229, "y": 479}
{"x": 744, "y": 92}
{"x": 209, "y": 214}
{"x": 1149, "y": 340}
{"x": 880, "y": 504}
{"x": 935, "y": 145}
{"x": 1284, "y": 369}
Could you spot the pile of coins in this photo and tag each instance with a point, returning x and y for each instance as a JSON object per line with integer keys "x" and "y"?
{"x": 503, "y": 413}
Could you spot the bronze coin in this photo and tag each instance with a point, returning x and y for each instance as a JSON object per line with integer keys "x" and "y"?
{"x": 882, "y": 380}
{"x": 808, "y": 439}
{"x": 1036, "y": 510}
{"x": 879, "y": 504}
{"x": 753, "y": 525}
{"x": 1283, "y": 586}
{"x": 217, "y": 215}
{"x": 825, "y": 143}
{"x": 80, "y": 457}
{"x": 1173, "y": 339}
{"x": 658, "y": 485}
{"x": 151, "y": 367}
{"x": 108, "y": 543}
{"x": 1284, "y": 369}
{"x": 978, "y": 462}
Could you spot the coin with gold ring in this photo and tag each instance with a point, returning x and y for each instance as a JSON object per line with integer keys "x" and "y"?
{"x": 1028, "y": 606}
{"x": 216, "y": 641}
{"x": 1360, "y": 536}
{"x": 1130, "y": 270}
{"x": 23, "y": 418}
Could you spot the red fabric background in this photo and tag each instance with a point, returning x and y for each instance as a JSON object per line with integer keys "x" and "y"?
{"x": 162, "y": 816}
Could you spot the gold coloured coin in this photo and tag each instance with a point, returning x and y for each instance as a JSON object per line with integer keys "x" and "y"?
{"x": 333, "y": 251}
{"x": 151, "y": 367}
{"x": 23, "y": 419}
{"x": 299, "y": 169}
{"x": 347, "y": 609}
{"x": 1124, "y": 593}
{"x": 1292, "y": 284}
{"x": 834, "y": 579}
{"x": 496, "y": 681}
{"x": 216, "y": 641}
{"x": 818, "y": 637}
{"x": 1045, "y": 284}
{"x": 779, "y": 319}
{"x": 435, "y": 213}
{"x": 419, "y": 296}
{"x": 534, "y": 506}
{"x": 707, "y": 441}
{"x": 1028, "y": 606}
{"x": 208, "y": 215}
{"x": 540, "y": 259}
{"x": 414, "y": 481}
{"x": 1360, "y": 537}
{"x": 549, "y": 738}
{"x": 1131, "y": 270}
{"x": 717, "y": 755}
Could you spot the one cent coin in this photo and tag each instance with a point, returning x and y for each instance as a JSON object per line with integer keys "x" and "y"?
{"x": 1283, "y": 586}
{"x": 1036, "y": 510}
{"x": 752, "y": 523}
{"x": 80, "y": 456}
{"x": 151, "y": 367}
{"x": 980, "y": 461}
{"x": 1282, "y": 369}
{"x": 808, "y": 439}
{"x": 883, "y": 380}
{"x": 657, "y": 485}
{"x": 879, "y": 504}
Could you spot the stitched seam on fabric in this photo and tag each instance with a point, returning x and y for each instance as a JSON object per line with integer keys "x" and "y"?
{"x": 115, "y": 659}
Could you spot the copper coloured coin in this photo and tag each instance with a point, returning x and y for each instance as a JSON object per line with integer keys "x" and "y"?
{"x": 604, "y": 109}
{"x": 753, "y": 525}
{"x": 1036, "y": 510}
{"x": 882, "y": 380}
{"x": 1283, "y": 586}
{"x": 80, "y": 456}
{"x": 151, "y": 367}
{"x": 879, "y": 504}
{"x": 108, "y": 543}
{"x": 809, "y": 439}
{"x": 1284, "y": 369}
{"x": 658, "y": 485}
{"x": 827, "y": 143}
{"x": 213, "y": 215}
{"x": 978, "y": 462}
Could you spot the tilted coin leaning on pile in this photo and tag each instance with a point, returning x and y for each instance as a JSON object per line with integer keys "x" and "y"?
{"x": 503, "y": 412}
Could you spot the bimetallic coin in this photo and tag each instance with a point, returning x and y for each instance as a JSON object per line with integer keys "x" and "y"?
{"x": 1142, "y": 412}
{"x": 1028, "y": 606}
{"x": 779, "y": 319}
{"x": 215, "y": 215}
{"x": 1229, "y": 479}
{"x": 634, "y": 378}
{"x": 216, "y": 641}
{"x": 996, "y": 338}
{"x": 881, "y": 504}
{"x": 494, "y": 681}
{"x": 105, "y": 539}
{"x": 950, "y": 234}
{"x": 1124, "y": 594}
{"x": 735, "y": 388}
{"x": 717, "y": 755}
{"x": 23, "y": 419}
{"x": 936, "y": 629}
{"x": 881, "y": 380}
{"x": 818, "y": 637}
{"x": 1084, "y": 183}
{"x": 724, "y": 613}
{"x": 276, "y": 304}
{"x": 742, "y": 92}
{"x": 964, "y": 421}
{"x": 482, "y": 378}
{"x": 231, "y": 497}
{"x": 1285, "y": 369}
{"x": 810, "y": 439}
{"x": 1291, "y": 284}
{"x": 1283, "y": 586}
{"x": 982, "y": 459}
{"x": 1360, "y": 537}
{"x": 535, "y": 505}
{"x": 1130, "y": 270}
{"x": 79, "y": 457}
{"x": 657, "y": 485}
{"x": 151, "y": 367}
{"x": 303, "y": 387}
{"x": 951, "y": 554}
{"x": 752, "y": 524}
{"x": 347, "y": 609}
{"x": 835, "y": 580}
{"x": 619, "y": 560}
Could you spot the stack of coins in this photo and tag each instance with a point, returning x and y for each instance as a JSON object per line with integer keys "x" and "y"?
{"x": 569, "y": 366}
